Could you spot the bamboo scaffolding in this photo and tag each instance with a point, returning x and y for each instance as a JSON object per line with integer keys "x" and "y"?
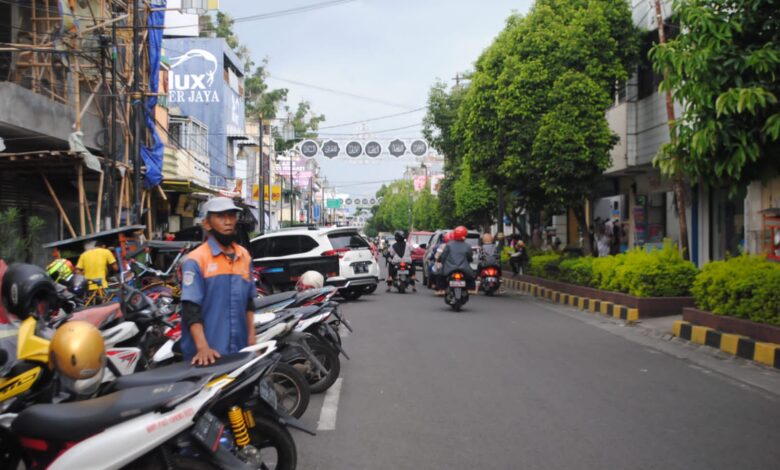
{"x": 59, "y": 206}
{"x": 99, "y": 200}
{"x": 82, "y": 198}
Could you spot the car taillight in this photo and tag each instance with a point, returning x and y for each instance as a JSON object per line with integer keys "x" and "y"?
{"x": 458, "y": 276}
{"x": 338, "y": 251}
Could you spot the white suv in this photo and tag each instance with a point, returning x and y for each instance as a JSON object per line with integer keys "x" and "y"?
{"x": 358, "y": 270}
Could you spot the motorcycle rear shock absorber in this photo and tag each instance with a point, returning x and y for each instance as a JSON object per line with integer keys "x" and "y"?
{"x": 237, "y": 423}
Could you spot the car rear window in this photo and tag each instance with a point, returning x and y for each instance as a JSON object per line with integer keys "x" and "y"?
{"x": 347, "y": 240}
{"x": 420, "y": 238}
{"x": 472, "y": 239}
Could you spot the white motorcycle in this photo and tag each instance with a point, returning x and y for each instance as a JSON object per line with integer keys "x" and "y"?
{"x": 179, "y": 416}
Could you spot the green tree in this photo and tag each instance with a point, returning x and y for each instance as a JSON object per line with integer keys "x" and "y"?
{"x": 304, "y": 122}
{"x": 474, "y": 199}
{"x": 724, "y": 67}
{"x": 259, "y": 100}
{"x": 438, "y": 129}
{"x": 526, "y": 128}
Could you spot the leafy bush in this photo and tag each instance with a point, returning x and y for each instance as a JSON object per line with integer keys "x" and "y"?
{"x": 506, "y": 253}
{"x": 656, "y": 273}
{"x": 577, "y": 270}
{"x": 16, "y": 241}
{"x": 743, "y": 286}
{"x": 546, "y": 265}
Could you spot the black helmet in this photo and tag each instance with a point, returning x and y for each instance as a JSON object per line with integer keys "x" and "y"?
{"x": 399, "y": 236}
{"x": 78, "y": 285}
{"x": 27, "y": 289}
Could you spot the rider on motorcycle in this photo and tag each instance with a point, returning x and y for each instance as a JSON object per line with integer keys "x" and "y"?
{"x": 489, "y": 256}
{"x": 457, "y": 256}
{"x": 399, "y": 251}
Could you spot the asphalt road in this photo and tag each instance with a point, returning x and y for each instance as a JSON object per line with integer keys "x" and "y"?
{"x": 509, "y": 384}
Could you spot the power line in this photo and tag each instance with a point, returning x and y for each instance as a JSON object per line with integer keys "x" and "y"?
{"x": 292, "y": 11}
{"x": 343, "y": 93}
{"x": 375, "y": 119}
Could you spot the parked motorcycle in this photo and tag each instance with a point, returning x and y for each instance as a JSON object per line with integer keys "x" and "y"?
{"x": 175, "y": 417}
{"x": 457, "y": 293}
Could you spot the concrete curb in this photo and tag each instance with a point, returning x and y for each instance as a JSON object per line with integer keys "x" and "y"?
{"x": 583, "y": 303}
{"x": 741, "y": 346}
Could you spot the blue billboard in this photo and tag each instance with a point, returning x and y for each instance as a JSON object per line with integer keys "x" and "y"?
{"x": 205, "y": 83}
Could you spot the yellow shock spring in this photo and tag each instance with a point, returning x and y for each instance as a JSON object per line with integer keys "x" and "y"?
{"x": 249, "y": 419}
{"x": 236, "y": 417}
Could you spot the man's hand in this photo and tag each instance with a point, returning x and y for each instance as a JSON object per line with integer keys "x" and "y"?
{"x": 251, "y": 340}
{"x": 205, "y": 356}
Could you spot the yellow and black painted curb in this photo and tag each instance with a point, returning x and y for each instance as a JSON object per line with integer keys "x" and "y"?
{"x": 741, "y": 346}
{"x": 583, "y": 303}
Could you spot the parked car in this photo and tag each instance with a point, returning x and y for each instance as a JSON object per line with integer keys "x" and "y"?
{"x": 472, "y": 238}
{"x": 419, "y": 241}
{"x": 358, "y": 270}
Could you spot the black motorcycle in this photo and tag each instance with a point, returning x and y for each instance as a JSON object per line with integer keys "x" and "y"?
{"x": 457, "y": 293}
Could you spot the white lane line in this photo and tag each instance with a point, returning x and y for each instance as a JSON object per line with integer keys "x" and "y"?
{"x": 330, "y": 407}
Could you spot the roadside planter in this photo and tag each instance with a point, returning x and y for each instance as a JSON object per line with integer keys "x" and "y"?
{"x": 736, "y": 336}
{"x": 615, "y": 304}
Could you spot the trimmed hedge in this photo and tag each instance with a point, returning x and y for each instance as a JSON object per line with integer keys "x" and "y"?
{"x": 638, "y": 272}
{"x": 745, "y": 286}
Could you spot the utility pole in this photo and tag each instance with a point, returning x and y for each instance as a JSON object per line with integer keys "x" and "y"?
{"x": 137, "y": 101}
{"x": 292, "y": 190}
{"x": 108, "y": 144}
{"x": 261, "y": 182}
{"x": 112, "y": 173}
{"x": 678, "y": 181}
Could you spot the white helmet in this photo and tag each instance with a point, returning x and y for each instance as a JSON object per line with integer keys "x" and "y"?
{"x": 310, "y": 280}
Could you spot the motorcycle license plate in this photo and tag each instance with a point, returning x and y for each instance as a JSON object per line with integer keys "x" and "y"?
{"x": 490, "y": 279}
{"x": 403, "y": 271}
{"x": 457, "y": 283}
{"x": 267, "y": 392}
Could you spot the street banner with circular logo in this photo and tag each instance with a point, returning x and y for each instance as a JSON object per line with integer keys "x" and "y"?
{"x": 397, "y": 148}
{"x": 373, "y": 149}
{"x": 419, "y": 147}
{"x": 372, "y": 201}
{"x": 365, "y": 202}
{"x": 330, "y": 149}
{"x": 349, "y": 202}
{"x": 309, "y": 148}
{"x": 354, "y": 149}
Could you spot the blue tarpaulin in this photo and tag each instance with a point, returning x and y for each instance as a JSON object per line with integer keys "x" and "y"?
{"x": 153, "y": 156}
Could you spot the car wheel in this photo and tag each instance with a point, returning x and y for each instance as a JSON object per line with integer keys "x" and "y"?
{"x": 351, "y": 294}
{"x": 369, "y": 289}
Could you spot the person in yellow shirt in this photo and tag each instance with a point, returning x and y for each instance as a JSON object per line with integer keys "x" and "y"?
{"x": 94, "y": 264}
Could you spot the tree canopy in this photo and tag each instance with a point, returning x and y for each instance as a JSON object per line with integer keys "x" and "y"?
{"x": 392, "y": 212}
{"x": 724, "y": 67}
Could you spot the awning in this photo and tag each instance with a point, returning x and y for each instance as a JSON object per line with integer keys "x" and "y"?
{"x": 245, "y": 139}
{"x": 186, "y": 186}
{"x": 105, "y": 234}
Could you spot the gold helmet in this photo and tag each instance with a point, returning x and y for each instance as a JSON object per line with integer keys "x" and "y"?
{"x": 78, "y": 353}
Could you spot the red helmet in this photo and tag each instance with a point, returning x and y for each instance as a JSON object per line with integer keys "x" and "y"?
{"x": 460, "y": 233}
{"x": 447, "y": 236}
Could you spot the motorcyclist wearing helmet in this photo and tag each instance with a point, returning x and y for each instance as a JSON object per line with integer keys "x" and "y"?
{"x": 436, "y": 266}
{"x": 310, "y": 280}
{"x": 489, "y": 253}
{"x": 217, "y": 289}
{"x": 457, "y": 256}
{"x": 400, "y": 251}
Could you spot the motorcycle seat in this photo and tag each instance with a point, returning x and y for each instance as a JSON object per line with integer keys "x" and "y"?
{"x": 99, "y": 315}
{"x": 181, "y": 371}
{"x": 71, "y": 422}
{"x": 265, "y": 302}
{"x": 263, "y": 327}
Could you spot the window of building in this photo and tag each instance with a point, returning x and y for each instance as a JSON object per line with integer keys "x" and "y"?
{"x": 188, "y": 134}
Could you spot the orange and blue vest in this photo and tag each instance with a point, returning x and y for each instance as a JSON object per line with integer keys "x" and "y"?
{"x": 223, "y": 289}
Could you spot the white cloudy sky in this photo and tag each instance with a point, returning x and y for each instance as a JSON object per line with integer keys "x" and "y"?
{"x": 387, "y": 50}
